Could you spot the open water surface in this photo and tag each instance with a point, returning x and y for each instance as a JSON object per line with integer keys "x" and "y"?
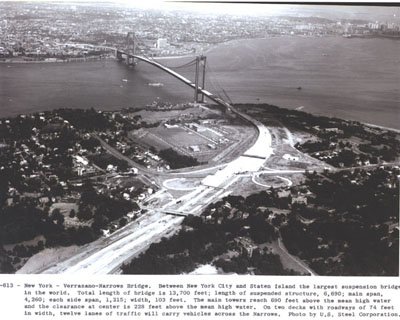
{"x": 355, "y": 79}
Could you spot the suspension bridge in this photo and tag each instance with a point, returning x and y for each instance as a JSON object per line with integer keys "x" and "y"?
{"x": 252, "y": 152}
{"x": 129, "y": 56}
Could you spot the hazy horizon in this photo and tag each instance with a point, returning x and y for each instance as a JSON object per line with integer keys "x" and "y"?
{"x": 362, "y": 12}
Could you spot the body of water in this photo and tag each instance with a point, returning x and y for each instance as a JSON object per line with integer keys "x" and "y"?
{"x": 355, "y": 79}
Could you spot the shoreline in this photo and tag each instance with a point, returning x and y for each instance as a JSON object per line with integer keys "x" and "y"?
{"x": 69, "y": 60}
{"x": 117, "y": 110}
{"x": 211, "y": 47}
{"x": 372, "y": 36}
{"x": 380, "y": 127}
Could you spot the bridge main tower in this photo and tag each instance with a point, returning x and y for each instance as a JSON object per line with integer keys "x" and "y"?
{"x": 131, "y": 44}
{"x": 200, "y": 64}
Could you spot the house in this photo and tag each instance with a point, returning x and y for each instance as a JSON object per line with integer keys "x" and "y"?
{"x": 290, "y": 157}
{"x": 132, "y": 171}
{"x": 194, "y": 148}
{"x": 246, "y": 244}
{"x": 283, "y": 193}
{"x": 336, "y": 130}
{"x": 111, "y": 168}
{"x": 300, "y": 200}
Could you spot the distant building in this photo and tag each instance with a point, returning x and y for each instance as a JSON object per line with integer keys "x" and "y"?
{"x": 334, "y": 130}
{"x": 81, "y": 160}
{"x": 290, "y": 157}
{"x": 161, "y": 43}
{"x": 133, "y": 171}
{"x": 299, "y": 199}
{"x": 111, "y": 168}
{"x": 194, "y": 148}
{"x": 283, "y": 193}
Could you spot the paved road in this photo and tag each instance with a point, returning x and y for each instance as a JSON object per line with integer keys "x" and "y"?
{"x": 295, "y": 259}
{"x": 106, "y": 254}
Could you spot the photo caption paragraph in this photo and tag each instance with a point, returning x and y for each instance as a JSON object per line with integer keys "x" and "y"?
{"x": 198, "y": 297}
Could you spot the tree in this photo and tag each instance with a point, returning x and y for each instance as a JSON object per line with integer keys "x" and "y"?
{"x": 89, "y": 195}
{"x": 58, "y": 216}
{"x": 122, "y": 222}
{"x": 153, "y": 149}
{"x": 99, "y": 222}
{"x": 176, "y": 160}
{"x": 7, "y": 267}
{"x": 84, "y": 235}
{"x": 40, "y": 245}
{"x": 85, "y": 214}
{"x": 72, "y": 213}
{"x": 3, "y": 189}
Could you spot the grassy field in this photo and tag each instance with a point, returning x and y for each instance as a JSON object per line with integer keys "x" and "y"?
{"x": 181, "y": 138}
{"x": 271, "y": 180}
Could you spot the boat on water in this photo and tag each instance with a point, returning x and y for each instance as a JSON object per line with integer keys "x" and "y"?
{"x": 125, "y": 80}
{"x": 155, "y": 84}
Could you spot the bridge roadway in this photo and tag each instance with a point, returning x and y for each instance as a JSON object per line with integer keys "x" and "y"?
{"x": 107, "y": 254}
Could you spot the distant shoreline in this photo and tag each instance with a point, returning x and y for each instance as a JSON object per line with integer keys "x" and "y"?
{"x": 96, "y": 58}
{"x": 69, "y": 60}
{"x": 212, "y": 47}
{"x": 372, "y": 36}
